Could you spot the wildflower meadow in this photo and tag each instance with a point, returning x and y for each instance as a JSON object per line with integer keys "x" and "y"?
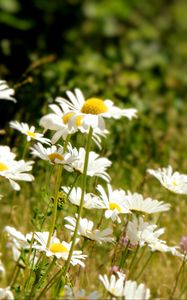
{"x": 93, "y": 173}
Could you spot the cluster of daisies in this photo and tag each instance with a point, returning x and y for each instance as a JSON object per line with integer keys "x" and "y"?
{"x": 118, "y": 207}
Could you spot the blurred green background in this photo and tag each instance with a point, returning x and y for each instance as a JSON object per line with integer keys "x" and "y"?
{"x": 132, "y": 52}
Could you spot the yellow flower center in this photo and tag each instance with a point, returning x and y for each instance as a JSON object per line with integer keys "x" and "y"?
{"x": 3, "y": 167}
{"x": 57, "y": 248}
{"x": 174, "y": 183}
{"x": 67, "y": 116}
{"x": 54, "y": 156}
{"x": 31, "y": 134}
{"x": 114, "y": 205}
{"x": 94, "y": 106}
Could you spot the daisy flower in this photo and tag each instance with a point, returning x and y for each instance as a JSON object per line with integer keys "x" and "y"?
{"x": 96, "y": 165}
{"x": 173, "y": 181}
{"x": 114, "y": 202}
{"x": 113, "y": 285}
{"x": 12, "y": 169}
{"x": 56, "y": 248}
{"x": 17, "y": 241}
{"x": 86, "y": 230}
{"x": 58, "y": 122}
{"x": 6, "y": 294}
{"x": 92, "y": 111}
{"x": 91, "y": 201}
{"x": 134, "y": 291}
{"x": 144, "y": 233}
{"x": 136, "y": 203}
{"x": 6, "y": 92}
{"x": 29, "y": 132}
{"x": 55, "y": 155}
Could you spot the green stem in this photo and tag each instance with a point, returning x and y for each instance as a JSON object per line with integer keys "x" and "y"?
{"x": 48, "y": 285}
{"x": 177, "y": 277}
{"x": 37, "y": 284}
{"x": 88, "y": 144}
{"x": 58, "y": 182}
{"x": 124, "y": 254}
{"x": 145, "y": 265}
{"x": 133, "y": 259}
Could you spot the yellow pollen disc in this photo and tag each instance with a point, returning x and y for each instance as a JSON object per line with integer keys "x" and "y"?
{"x": 79, "y": 121}
{"x": 94, "y": 106}
{"x": 3, "y": 167}
{"x": 31, "y": 134}
{"x": 174, "y": 183}
{"x": 54, "y": 156}
{"x": 58, "y": 248}
{"x": 67, "y": 116}
{"x": 115, "y": 206}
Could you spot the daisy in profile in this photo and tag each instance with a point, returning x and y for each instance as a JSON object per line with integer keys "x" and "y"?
{"x": 173, "y": 181}
{"x": 136, "y": 203}
{"x": 92, "y": 111}
{"x": 133, "y": 290}
{"x": 6, "y": 93}
{"x": 114, "y": 201}
{"x": 14, "y": 170}
{"x": 29, "y": 132}
{"x": 17, "y": 241}
{"x": 97, "y": 165}
{"x": 144, "y": 233}
{"x": 91, "y": 201}
{"x": 114, "y": 285}
{"x": 57, "y": 248}
{"x": 56, "y": 155}
{"x": 86, "y": 230}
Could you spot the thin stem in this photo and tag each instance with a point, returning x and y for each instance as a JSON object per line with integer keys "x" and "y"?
{"x": 48, "y": 285}
{"x": 58, "y": 182}
{"x": 81, "y": 201}
{"x": 36, "y": 284}
{"x": 124, "y": 254}
{"x": 177, "y": 277}
{"x": 145, "y": 265}
{"x": 133, "y": 259}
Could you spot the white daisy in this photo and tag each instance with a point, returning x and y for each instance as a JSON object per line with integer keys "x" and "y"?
{"x": 56, "y": 248}
{"x": 56, "y": 155}
{"x": 136, "y": 203}
{"x": 134, "y": 291}
{"x": 17, "y": 241}
{"x": 57, "y": 122}
{"x": 6, "y": 294}
{"x": 144, "y": 233}
{"x": 6, "y": 93}
{"x": 91, "y": 112}
{"x": 96, "y": 165}
{"x": 91, "y": 201}
{"x": 172, "y": 181}
{"x": 12, "y": 169}
{"x": 114, "y": 202}
{"x": 114, "y": 286}
{"x": 86, "y": 229}
{"x": 29, "y": 132}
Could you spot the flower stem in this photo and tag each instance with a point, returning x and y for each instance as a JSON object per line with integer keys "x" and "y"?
{"x": 177, "y": 277}
{"x": 81, "y": 201}
{"x": 145, "y": 265}
{"x": 58, "y": 182}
